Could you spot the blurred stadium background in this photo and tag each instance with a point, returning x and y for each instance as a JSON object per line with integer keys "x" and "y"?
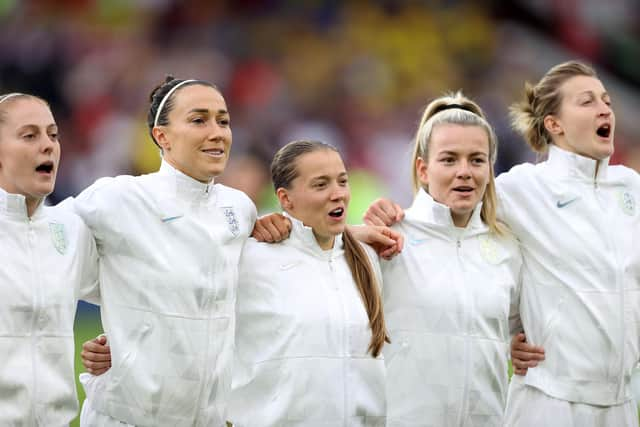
{"x": 352, "y": 73}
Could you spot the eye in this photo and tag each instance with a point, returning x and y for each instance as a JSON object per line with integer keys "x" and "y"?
{"x": 320, "y": 185}
{"x": 479, "y": 160}
{"x": 586, "y": 101}
{"x": 224, "y": 121}
{"x": 607, "y": 101}
{"x": 53, "y": 136}
{"x": 198, "y": 120}
{"x": 447, "y": 160}
{"x": 343, "y": 182}
{"x": 29, "y": 136}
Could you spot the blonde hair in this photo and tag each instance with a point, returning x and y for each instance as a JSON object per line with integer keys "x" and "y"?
{"x": 457, "y": 109}
{"x": 7, "y": 99}
{"x": 527, "y": 116}
{"x": 284, "y": 170}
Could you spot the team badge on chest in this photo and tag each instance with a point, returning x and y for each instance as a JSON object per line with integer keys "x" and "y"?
{"x": 58, "y": 237}
{"x": 232, "y": 221}
{"x": 627, "y": 202}
{"x": 489, "y": 249}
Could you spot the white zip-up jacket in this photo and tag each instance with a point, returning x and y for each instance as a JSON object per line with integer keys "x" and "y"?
{"x": 47, "y": 262}
{"x": 451, "y": 303}
{"x": 301, "y": 339}
{"x": 575, "y": 217}
{"x": 169, "y": 248}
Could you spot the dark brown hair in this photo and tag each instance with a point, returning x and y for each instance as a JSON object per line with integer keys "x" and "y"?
{"x": 157, "y": 95}
{"x": 283, "y": 172}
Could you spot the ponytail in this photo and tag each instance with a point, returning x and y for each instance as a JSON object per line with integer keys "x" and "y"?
{"x": 367, "y": 285}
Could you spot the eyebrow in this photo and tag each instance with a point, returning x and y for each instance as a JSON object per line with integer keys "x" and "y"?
{"x": 206, "y": 111}
{"x": 453, "y": 153}
{"x": 592, "y": 92}
{"x": 316, "y": 178}
{"x": 34, "y": 126}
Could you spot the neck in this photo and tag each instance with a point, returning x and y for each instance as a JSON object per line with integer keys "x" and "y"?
{"x": 176, "y": 166}
{"x": 32, "y": 204}
{"x": 460, "y": 220}
{"x": 325, "y": 242}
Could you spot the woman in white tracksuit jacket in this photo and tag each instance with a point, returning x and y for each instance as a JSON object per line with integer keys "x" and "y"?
{"x": 47, "y": 254}
{"x": 169, "y": 244}
{"x": 310, "y": 326}
{"x": 575, "y": 216}
{"x": 451, "y": 297}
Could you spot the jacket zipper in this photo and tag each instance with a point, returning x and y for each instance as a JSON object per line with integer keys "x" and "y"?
{"x": 467, "y": 323}
{"x": 620, "y": 288}
{"x": 34, "y": 320}
{"x": 345, "y": 345}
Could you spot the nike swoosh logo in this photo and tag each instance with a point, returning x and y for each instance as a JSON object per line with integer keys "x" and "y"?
{"x": 171, "y": 218}
{"x": 562, "y": 204}
{"x": 288, "y": 266}
{"x": 416, "y": 242}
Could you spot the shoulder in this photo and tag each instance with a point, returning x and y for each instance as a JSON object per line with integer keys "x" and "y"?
{"x": 518, "y": 173}
{"x": 231, "y": 197}
{"x": 626, "y": 174}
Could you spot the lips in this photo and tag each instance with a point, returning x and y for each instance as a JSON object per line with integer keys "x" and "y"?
{"x": 604, "y": 130}
{"x": 463, "y": 189}
{"x": 45, "y": 167}
{"x": 337, "y": 213}
{"x": 214, "y": 152}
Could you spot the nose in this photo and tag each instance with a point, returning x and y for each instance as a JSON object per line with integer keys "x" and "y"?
{"x": 47, "y": 144}
{"x": 604, "y": 109}
{"x": 464, "y": 170}
{"x": 339, "y": 192}
{"x": 219, "y": 133}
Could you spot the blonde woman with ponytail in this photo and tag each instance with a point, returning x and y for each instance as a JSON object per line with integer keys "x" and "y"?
{"x": 451, "y": 297}
{"x": 309, "y": 322}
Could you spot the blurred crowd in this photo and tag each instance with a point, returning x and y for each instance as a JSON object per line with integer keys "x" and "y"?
{"x": 353, "y": 73}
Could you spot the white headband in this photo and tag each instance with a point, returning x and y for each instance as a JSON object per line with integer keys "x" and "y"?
{"x": 164, "y": 100}
{"x": 11, "y": 95}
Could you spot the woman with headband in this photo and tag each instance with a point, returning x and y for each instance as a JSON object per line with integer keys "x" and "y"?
{"x": 451, "y": 297}
{"x": 47, "y": 253}
{"x": 169, "y": 244}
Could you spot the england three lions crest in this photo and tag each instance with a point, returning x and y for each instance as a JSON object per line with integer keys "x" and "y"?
{"x": 58, "y": 237}
{"x": 232, "y": 221}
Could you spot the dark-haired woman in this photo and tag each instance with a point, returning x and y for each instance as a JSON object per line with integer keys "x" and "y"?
{"x": 310, "y": 326}
{"x": 169, "y": 244}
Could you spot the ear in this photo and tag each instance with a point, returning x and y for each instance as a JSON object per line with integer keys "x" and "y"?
{"x": 284, "y": 199}
{"x": 553, "y": 125}
{"x": 421, "y": 171}
{"x": 161, "y": 138}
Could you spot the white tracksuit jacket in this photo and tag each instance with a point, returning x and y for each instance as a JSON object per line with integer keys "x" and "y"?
{"x": 169, "y": 248}
{"x": 47, "y": 262}
{"x": 575, "y": 218}
{"x": 301, "y": 339}
{"x": 450, "y": 301}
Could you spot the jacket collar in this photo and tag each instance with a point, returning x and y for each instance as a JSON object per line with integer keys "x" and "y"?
{"x": 184, "y": 186}
{"x": 303, "y": 237}
{"x": 425, "y": 209}
{"x": 15, "y": 205}
{"x": 566, "y": 163}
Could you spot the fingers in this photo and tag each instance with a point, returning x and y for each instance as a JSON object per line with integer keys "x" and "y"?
{"x": 524, "y": 355}
{"x": 399, "y": 212}
{"x": 271, "y": 228}
{"x": 383, "y": 212}
{"x": 96, "y": 355}
{"x": 398, "y": 238}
